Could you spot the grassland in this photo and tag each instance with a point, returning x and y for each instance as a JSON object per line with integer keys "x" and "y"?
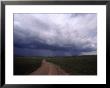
{"x": 74, "y": 65}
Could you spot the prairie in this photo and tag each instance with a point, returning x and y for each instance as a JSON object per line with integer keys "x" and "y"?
{"x": 74, "y": 65}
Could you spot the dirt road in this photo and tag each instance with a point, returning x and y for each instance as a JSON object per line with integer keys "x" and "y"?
{"x": 48, "y": 68}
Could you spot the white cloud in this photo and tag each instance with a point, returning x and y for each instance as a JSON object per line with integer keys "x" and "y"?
{"x": 65, "y": 30}
{"x": 89, "y": 53}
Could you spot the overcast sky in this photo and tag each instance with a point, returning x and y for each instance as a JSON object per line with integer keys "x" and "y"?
{"x": 55, "y": 34}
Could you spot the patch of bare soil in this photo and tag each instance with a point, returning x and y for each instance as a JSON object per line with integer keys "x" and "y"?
{"x": 48, "y": 68}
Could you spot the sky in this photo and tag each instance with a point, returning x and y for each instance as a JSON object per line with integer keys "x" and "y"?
{"x": 55, "y": 34}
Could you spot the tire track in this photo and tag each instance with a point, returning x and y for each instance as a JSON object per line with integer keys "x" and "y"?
{"x": 48, "y": 68}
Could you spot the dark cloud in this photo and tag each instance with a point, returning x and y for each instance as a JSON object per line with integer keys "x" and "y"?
{"x": 54, "y": 34}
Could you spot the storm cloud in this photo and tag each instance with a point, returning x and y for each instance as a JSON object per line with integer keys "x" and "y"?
{"x": 55, "y": 34}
